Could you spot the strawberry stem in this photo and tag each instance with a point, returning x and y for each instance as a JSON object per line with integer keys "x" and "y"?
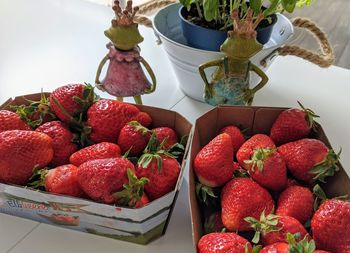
{"x": 310, "y": 115}
{"x": 258, "y": 158}
{"x": 133, "y": 191}
{"x": 327, "y": 167}
{"x": 265, "y": 225}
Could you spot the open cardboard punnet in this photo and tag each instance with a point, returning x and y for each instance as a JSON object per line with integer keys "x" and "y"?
{"x": 134, "y": 225}
{"x": 253, "y": 120}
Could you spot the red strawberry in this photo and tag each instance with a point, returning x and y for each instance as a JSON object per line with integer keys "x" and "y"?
{"x": 236, "y": 135}
{"x": 213, "y": 165}
{"x": 297, "y": 202}
{"x": 142, "y": 202}
{"x": 97, "y": 151}
{"x": 107, "y": 117}
{"x": 222, "y": 243}
{"x": 11, "y": 121}
{"x": 247, "y": 149}
{"x": 60, "y": 180}
{"x": 162, "y": 173}
{"x": 292, "y": 125}
{"x": 278, "y": 247}
{"x": 133, "y": 193}
{"x": 101, "y": 178}
{"x": 303, "y": 246}
{"x": 35, "y": 113}
{"x": 134, "y": 137}
{"x": 268, "y": 168}
{"x": 309, "y": 159}
{"x": 62, "y": 141}
{"x": 70, "y": 100}
{"x": 331, "y": 226}
{"x": 166, "y": 132}
{"x": 273, "y": 228}
{"x": 20, "y": 152}
{"x": 240, "y": 198}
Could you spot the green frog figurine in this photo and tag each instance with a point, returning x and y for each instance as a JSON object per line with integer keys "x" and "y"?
{"x": 125, "y": 76}
{"x": 230, "y": 81}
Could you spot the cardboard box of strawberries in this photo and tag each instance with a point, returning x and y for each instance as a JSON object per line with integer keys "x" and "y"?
{"x": 100, "y": 166}
{"x": 266, "y": 180}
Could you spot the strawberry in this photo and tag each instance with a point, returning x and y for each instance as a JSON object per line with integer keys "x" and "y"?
{"x": 133, "y": 193}
{"x": 60, "y": 180}
{"x": 273, "y": 228}
{"x": 267, "y": 168}
{"x": 62, "y": 138}
{"x": 309, "y": 159}
{"x": 20, "y": 152}
{"x": 330, "y": 226}
{"x": 222, "y": 243}
{"x": 101, "y": 178}
{"x": 240, "y": 198}
{"x": 107, "y": 117}
{"x": 133, "y": 137}
{"x": 278, "y": 247}
{"x": 297, "y": 202}
{"x": 36, "y": 112}
{"x": 256, "y": 141}
{"x": 293, "y": 246}
{"x": 292, "y": 125}
{"x": 213, "y": 165}
{"x": 11, "y": 121}
{"x": 97, "y": 151}
{"x": 236, "y": 135}
{"x": 162, "y": 173}
{"x": 71, "y": 100}
{"x": 168, "y": 133}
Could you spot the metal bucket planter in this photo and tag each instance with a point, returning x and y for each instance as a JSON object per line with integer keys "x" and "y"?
{"x": 185, "y": 59}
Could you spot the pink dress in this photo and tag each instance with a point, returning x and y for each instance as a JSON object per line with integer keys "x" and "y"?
{"x": 125, "y": 76}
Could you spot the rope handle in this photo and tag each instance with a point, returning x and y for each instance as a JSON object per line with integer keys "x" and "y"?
{"x": 323, "y": 59}
{"x": 148, "y": 7}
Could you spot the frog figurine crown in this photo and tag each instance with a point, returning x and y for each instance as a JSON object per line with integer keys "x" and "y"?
{"x": 245, "y": 28}
{"x": 126, "y": 17}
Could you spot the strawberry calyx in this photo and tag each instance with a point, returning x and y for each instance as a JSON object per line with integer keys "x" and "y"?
{"x": 322, "y": 197}
{"x": 205, "y": 193}
{"x": 36, "y": 113}
{"x": 154, "y": 150}
{"x": 310, "y": 115}
{"x": 139, "y": 128}
{"x": 133, "y": 190}
{"x": 255, "y": 249}
{"x": 264, "y": 225}
{"x": 259, "y": 156}
{"x": 300, "y": 246}
{"x": 327, "y": 167}
{"x": 89, "y": 97}
{"x": 37, "y": 180}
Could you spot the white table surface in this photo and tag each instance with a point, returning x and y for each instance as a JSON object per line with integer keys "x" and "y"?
{"x": 48, "y": 43}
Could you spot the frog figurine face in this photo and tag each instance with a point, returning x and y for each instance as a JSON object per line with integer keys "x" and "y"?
{"x": 241, "y": 44}
{"x": 123, "y": 33}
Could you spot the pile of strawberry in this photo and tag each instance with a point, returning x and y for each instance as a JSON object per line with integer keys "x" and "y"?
{"x": 256, "y": 194}
{"x": 75, "y": 144}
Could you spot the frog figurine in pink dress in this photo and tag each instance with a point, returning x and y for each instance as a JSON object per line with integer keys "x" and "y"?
{"x": 125, "y": 76}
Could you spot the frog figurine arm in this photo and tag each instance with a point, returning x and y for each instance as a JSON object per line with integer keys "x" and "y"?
{"x": 100, "y": 67}
{"x": 249, "y": 93}
{"x": 208, "y": 89}
{"x": 151, "y": 74}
